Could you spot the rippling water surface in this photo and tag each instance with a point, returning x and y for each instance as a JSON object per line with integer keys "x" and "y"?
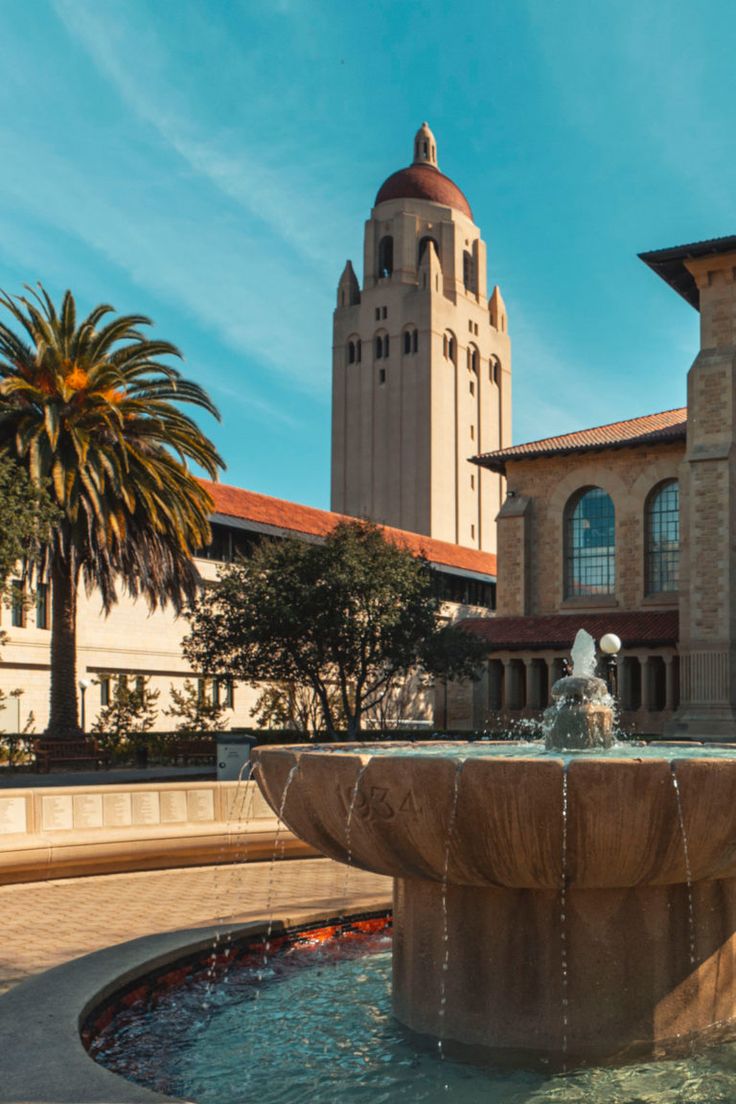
{"x": 318, "y": 1028}
{"x": 526, "y": 749}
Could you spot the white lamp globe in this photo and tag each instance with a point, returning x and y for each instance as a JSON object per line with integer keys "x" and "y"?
{"x": 609, "y": 644}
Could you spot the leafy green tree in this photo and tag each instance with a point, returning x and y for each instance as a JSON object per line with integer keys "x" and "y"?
{"x": 90, "y": 409}
{"x": 289, "y": 706}
{"x": 130, "y": 714}
{"x": 352, "y": 613}
{"x": 195, "y": 711}
{"x": 26, "y": 516}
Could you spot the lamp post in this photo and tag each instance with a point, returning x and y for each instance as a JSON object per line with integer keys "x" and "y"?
{"x": 610, "y": 645}
{"x": 84, "y": 685}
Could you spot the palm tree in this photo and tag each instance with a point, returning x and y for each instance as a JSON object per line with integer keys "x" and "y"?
{"x": 89, "y": 409}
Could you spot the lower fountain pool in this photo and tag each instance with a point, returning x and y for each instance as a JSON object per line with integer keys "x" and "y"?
{"x": 315, "y": 1024}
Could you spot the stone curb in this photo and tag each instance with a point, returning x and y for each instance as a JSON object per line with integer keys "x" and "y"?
{"x": 43, "y": 1059}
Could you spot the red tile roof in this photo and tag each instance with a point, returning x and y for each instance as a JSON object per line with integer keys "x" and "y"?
{"x": 645, "y": 628}
{"x": 423, "y": 182}
{"x": 670, "y": 425}
{"x": 291, "y": 517}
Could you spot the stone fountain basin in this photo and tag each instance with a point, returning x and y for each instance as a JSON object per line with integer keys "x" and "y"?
{"x": 623, "y": 827}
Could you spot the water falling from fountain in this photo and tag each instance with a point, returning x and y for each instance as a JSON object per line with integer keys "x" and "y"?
{"x": 688, "y": 869}
{"x": 272, "y": 870}
{"x": 563, "y": 915}
{"x": 445, "y": 927}
{"x": 233, "y": 856}
{"x": 349, "y": 825}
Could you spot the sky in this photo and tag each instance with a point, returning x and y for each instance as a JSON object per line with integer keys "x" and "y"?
{"x": 211, "y": 163}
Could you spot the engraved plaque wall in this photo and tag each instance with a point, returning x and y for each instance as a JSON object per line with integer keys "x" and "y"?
{"x": 87, "y": 810}
{"x": 145, "y": 807}
{"x": 201, "y": 805}
{"x": 57, "y": 812}
{"x": 117, "y": 811}
{"x": 12, "y": 815}
{"x": 173, "y": 806}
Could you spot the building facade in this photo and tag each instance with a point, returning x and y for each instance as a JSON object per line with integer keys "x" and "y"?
{"x": 134, "y": 643}
{"x": 421, "y": 376}
{"x": 630, "y": 528}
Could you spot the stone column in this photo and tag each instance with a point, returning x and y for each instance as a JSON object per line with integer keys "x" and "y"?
{"x": 708, "y": 512}
{"x": 531, "y": 684}
{"x": 550, "y": 680}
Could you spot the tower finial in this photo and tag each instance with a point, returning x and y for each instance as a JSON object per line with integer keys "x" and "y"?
{"x": 425, "y": 147}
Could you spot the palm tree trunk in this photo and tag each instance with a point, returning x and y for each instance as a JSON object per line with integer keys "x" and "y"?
{"x": 63, "y": 716}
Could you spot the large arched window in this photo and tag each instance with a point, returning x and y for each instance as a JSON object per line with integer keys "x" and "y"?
{"x": 590, "y": 544}
{"x": 449, "y": 346}
{"x": 423, "y": 243}
{"x": 386, "y": 256}
{"x": 662, "y": 526}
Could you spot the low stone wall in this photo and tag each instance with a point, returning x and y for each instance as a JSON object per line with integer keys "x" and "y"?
{"x": 70, "y": 831}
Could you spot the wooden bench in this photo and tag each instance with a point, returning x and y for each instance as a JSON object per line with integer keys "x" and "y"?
{"x": 187, "y": 750}
{"x": 52, "y": 753}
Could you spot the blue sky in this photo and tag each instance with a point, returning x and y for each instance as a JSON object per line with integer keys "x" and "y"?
{"x": 211, "y": 164}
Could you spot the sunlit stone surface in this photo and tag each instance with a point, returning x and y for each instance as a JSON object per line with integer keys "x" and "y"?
{"x": 575, "y": 923}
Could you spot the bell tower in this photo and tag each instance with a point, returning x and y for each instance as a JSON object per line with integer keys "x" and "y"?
{"x": 421, "y": 376}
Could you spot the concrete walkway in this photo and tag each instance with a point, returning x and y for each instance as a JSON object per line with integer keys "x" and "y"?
{"x": 47, "y": 923}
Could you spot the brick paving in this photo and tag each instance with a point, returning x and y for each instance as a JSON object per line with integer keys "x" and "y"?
{"x": 47, "y": 923}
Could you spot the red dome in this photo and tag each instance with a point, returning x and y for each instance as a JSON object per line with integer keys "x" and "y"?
{"x": 420, "y": 181}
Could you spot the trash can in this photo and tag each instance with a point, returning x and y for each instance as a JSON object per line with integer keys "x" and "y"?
{"x": 233, "y": 756}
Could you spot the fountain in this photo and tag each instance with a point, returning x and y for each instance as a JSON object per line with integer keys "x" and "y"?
{"x": 570, "y": 907}
{"x": 582, "y": 713}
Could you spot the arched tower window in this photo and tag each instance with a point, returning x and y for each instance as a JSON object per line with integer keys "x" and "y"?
{"x": 449, "y": 346}
{"x": 494, "y": 370}
{"x": 386, "y": 256}
{"x": 351, "y": 352}
{"x": 410, "y": 341}
{"x": 378, "y": 346}
{"x": 473, "y": 359}
{"x": 423, "y": 243}
{"x": 469, "y": 272}
{"x": 590, "y": 544}
{"x": 662, "y": 544}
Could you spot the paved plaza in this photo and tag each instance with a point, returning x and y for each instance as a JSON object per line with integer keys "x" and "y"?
{"x": 48, "y": 923}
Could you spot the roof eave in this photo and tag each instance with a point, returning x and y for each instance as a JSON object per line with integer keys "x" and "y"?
{"x": 497, "y": 463}
{"x": 669, "y": 264}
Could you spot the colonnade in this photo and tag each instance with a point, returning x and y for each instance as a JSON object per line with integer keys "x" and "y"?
{"x": 646, "y": 681}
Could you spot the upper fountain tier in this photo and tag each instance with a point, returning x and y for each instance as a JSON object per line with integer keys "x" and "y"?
{"x": 507, "y": 828}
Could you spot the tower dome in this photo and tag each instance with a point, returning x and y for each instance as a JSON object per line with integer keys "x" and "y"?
{"x": 423, "y": 179}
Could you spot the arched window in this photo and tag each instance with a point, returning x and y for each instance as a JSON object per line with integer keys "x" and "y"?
{"x": 386, "y": 256}
{"x": 590, "y": 544}
{"x": 494, "y": 370}
{"x": 410, "y": 341}
{"x": 473, "y": 359}
{"x": 449, "y": 346}
{"x": 378, "y": 346}
{"x": 662, "y": 527}
{"x": 423, "y": 243}
{"x": 351, "y": 352}
{"x": 469, "y": 272}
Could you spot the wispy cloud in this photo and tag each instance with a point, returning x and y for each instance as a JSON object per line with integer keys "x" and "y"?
{"x": 297, "y": 206}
